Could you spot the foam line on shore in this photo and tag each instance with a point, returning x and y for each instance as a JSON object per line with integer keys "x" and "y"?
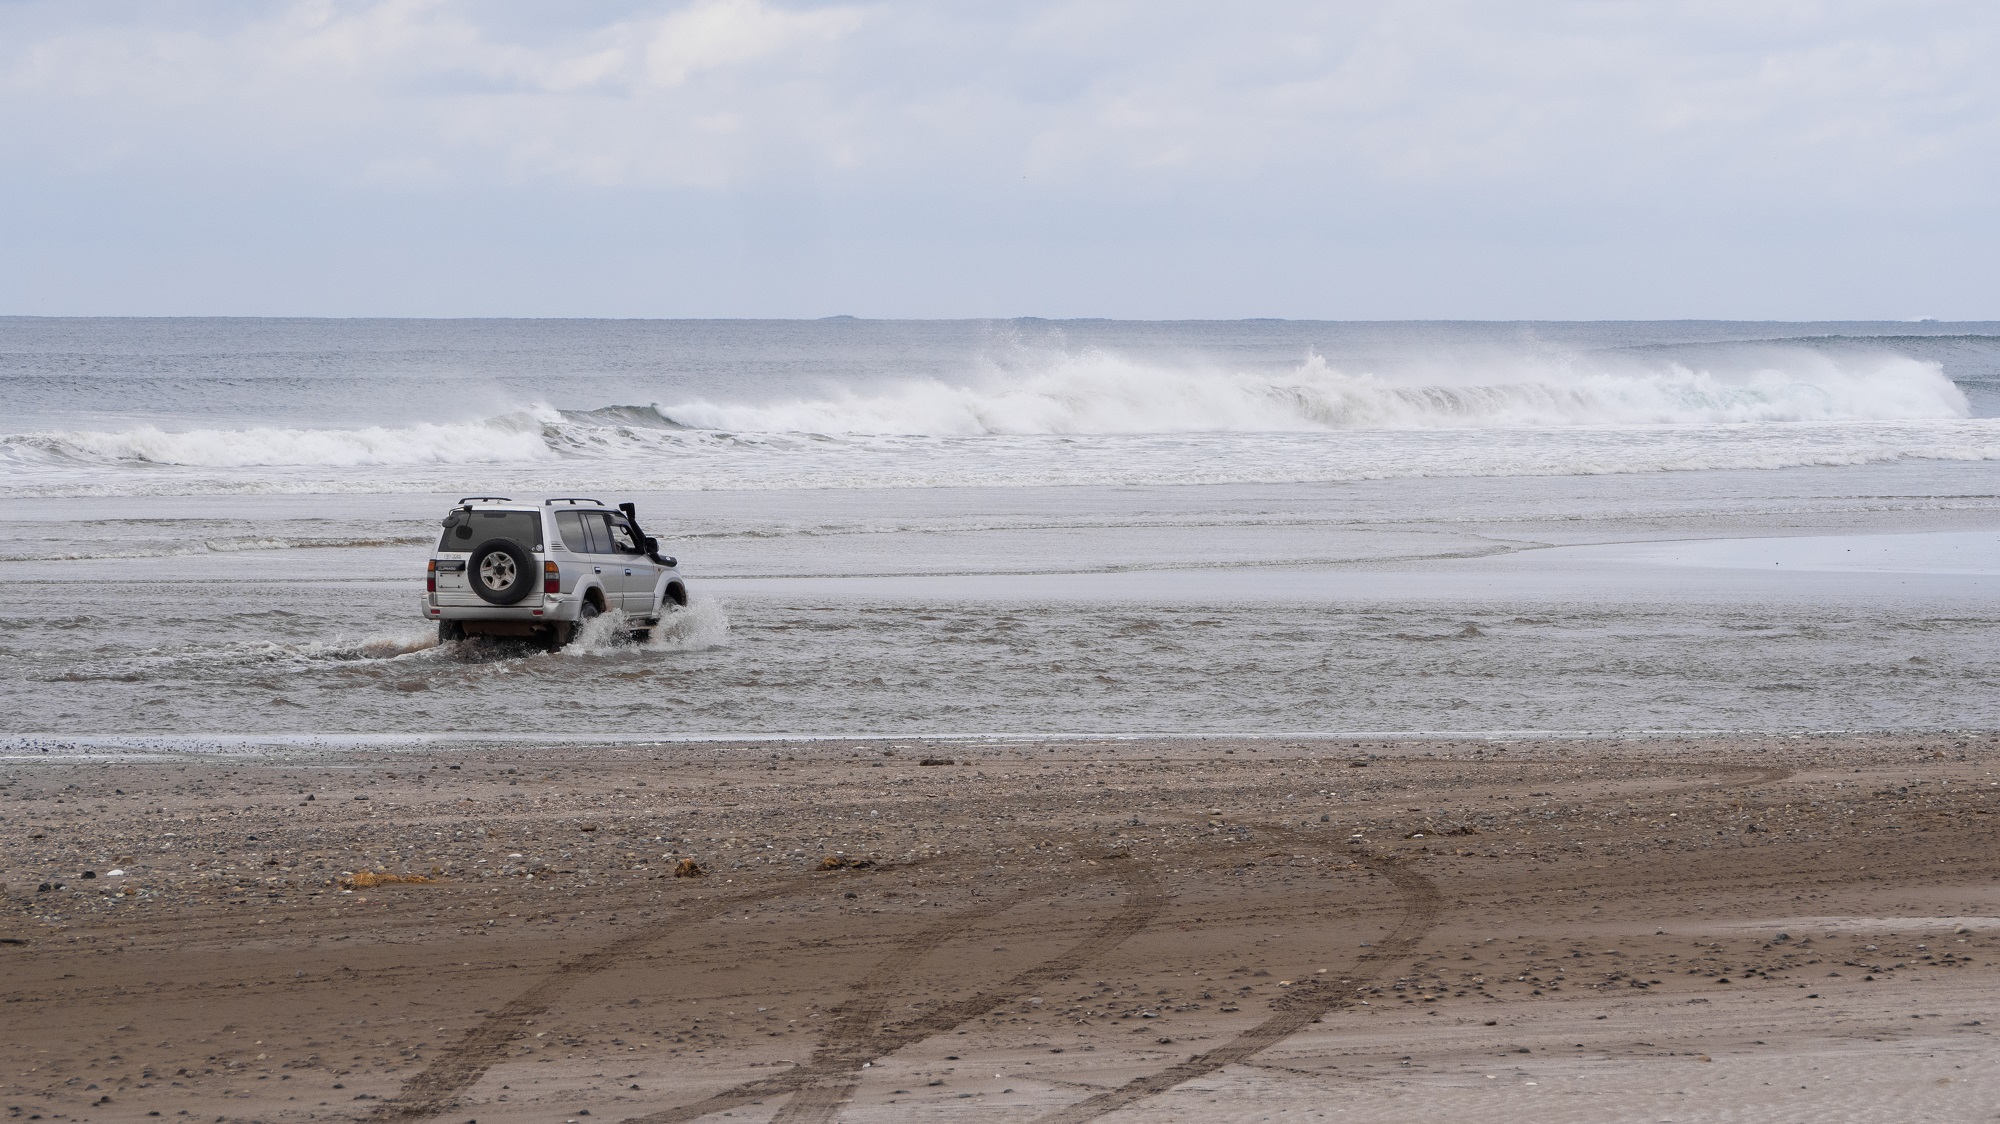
{"x": 141, "y": 747}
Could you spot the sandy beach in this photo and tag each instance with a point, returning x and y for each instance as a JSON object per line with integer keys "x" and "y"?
{"x": 831, "y": 562}
{"x": 1785, "y": 928}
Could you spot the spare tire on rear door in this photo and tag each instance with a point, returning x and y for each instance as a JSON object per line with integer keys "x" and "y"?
{"x": 501, "y": 571}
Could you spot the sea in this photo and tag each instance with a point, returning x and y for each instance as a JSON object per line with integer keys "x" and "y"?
{"x": 215, "y": 530}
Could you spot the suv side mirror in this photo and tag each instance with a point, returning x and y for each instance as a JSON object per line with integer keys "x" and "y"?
{"x": 652, "y": 545}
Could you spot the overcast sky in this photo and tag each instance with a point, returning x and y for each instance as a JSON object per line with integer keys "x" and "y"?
{"x": 1476, "y": 159}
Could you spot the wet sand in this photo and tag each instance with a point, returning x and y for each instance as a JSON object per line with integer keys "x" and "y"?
{"x": 1795, "y": 928}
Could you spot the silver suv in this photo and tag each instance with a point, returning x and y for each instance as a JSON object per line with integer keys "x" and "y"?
{"x": 509, "y": 569}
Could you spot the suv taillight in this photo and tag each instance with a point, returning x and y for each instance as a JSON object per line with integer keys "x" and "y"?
{"x": 551, "y": 578}
{"x": 431, "y": 578}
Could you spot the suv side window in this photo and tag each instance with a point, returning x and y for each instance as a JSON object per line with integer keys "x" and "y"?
{"x": 574, "y": 526}
{"x": 622, "y": 540}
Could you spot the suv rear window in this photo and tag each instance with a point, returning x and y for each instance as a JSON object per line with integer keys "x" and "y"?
{"x": 465, "y": 530}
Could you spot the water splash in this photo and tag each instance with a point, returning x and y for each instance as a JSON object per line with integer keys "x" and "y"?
{"x": 702, "y": 625}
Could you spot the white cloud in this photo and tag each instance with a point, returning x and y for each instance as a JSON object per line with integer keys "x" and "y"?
{"x": 724, "y": 92}
{"x": 1395, "y": 118}
{"x": 392, "y": 82}
{"x": 725, "y": 33}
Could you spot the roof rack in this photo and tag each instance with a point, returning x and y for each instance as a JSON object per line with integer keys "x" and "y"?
{"x": 572, "y": 501}
{"x": 487, "y": 499}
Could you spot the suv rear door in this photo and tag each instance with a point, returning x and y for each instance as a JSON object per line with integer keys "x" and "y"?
{"x": 607, "y": 542}
{"x": 635, "y": 571}
{"x": 584, "y": 535}
{"x": 472, "y": 529}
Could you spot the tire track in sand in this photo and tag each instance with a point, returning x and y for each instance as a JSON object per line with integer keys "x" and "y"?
{"x": 823, "y": 1085}
{"x": 436, "y": 1087}
{"x": 846, "y": 1039}
{"x": 1308, "y": 1003}
{"x": 1422, "y": 904}
{"x": 826, "y": 1082}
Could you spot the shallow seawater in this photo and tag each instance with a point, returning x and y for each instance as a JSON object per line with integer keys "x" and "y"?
{"x": 955, "y": 530}
{"x": 1280, "y": 608}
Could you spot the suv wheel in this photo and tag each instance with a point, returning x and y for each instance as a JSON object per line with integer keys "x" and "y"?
{"x": 501, "y": 571}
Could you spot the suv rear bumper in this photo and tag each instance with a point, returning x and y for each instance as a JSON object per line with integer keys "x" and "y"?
{"x": 531, "y": 610}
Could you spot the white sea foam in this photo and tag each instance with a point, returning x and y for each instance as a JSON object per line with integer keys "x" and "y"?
{"x": 696, "y": 463}
{"x": 214, "y": 546}
{"x": 509, "y": 439}
{"x": 1094, "y": 418}
{"x": 1104, "y": 394}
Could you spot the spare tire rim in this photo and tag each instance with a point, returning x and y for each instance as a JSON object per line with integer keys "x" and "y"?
{"x": 497, "y": 570}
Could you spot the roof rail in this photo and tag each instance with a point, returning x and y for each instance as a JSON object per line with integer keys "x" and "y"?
{"x": 486, "y": 499}
{"x": 572, "y": 501}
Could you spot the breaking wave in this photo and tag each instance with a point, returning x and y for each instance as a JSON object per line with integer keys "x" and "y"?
{"x": 1095, "y": 394}
{"x": 509, "y": 439}
{"x": 1104, "y": 394}
{"x": 1091, "y": 418}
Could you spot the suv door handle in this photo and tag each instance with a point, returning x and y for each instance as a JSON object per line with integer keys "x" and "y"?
{"x": 628, "y": 571}
{"x": 597, "y": 569}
